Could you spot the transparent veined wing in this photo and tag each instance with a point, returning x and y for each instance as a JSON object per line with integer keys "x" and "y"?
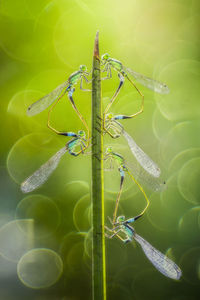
{"x": 144, "y": 178}
{"x": 144, "y": 160}
{"x": 151, "y": 84}
{"x": 162, "y": 263}
{"x": 46, "y": 101}
{"x": 42, "y": 174}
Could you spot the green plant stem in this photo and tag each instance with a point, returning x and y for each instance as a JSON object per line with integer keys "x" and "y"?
{"x": 98, "y": 255}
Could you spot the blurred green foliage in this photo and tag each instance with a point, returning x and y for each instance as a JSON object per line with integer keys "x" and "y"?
{"x": 41, "y": 44}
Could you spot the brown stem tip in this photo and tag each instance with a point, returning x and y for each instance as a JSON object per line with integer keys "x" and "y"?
{"x": 96, "y": 45}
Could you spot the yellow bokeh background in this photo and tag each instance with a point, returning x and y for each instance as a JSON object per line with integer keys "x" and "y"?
{"x": 41, "y": 44}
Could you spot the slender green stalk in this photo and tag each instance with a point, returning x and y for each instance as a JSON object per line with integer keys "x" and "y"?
{"x": 98, "y": 262}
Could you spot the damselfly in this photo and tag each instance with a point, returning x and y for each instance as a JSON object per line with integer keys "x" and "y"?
{"x": 122, "y": 168}
{"x": 160, "y": 261}
{"x": 58, "y": 93}
{"x": 111, "y": 123}
{"x": 123, "y": 72}
{"x": 39, "y": 177}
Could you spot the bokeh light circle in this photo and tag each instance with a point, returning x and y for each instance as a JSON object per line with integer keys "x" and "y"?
{"x": 16, "y": 238}
{"x": 88, "y": 243}
{"x": 189, "y": 230}
{"x": 39, "y": 268}
{"x": 176, "y": 141}
{"x": 174, "y": 205}
{"x": 80, "y": 213}
{"x": 181, "y": 103}
{"x": 189, "y": 263}
{"x": 181, "y": 158}
{"x": 161, "y": 125}
{"x": 43, "y": 211}
{"x": 188, "y": 181}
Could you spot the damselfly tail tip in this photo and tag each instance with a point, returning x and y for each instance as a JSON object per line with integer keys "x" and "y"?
{"x": 177, "y": 274}
{"x": 29, "y": 111}
{"x": 157, "y": 172}
{"x": 163, "y": 186}
{"x": 24, "y": 188}
{"x": 165, "y": 89}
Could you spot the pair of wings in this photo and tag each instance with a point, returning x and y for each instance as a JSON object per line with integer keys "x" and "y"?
{"x": 144, "y": 160}
{"x": 160, "y": 261}
{"x": 42, "y": 174}
{"x": 150, "y": 172}
{"x": 151, "y": 84}
{"x": 47, "y": 100}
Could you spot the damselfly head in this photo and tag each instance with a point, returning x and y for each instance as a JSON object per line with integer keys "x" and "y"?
{"x": 109, "y": 116}
{"x": 120, "y": 219}
{"x": 81, "y": 133}
{"x": 83, "y": 68}
{"x": 105, "y": 56}
{"x": 108, "y": 150}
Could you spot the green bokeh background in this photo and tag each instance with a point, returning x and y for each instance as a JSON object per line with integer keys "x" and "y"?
{"x": 41, "y": 44}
